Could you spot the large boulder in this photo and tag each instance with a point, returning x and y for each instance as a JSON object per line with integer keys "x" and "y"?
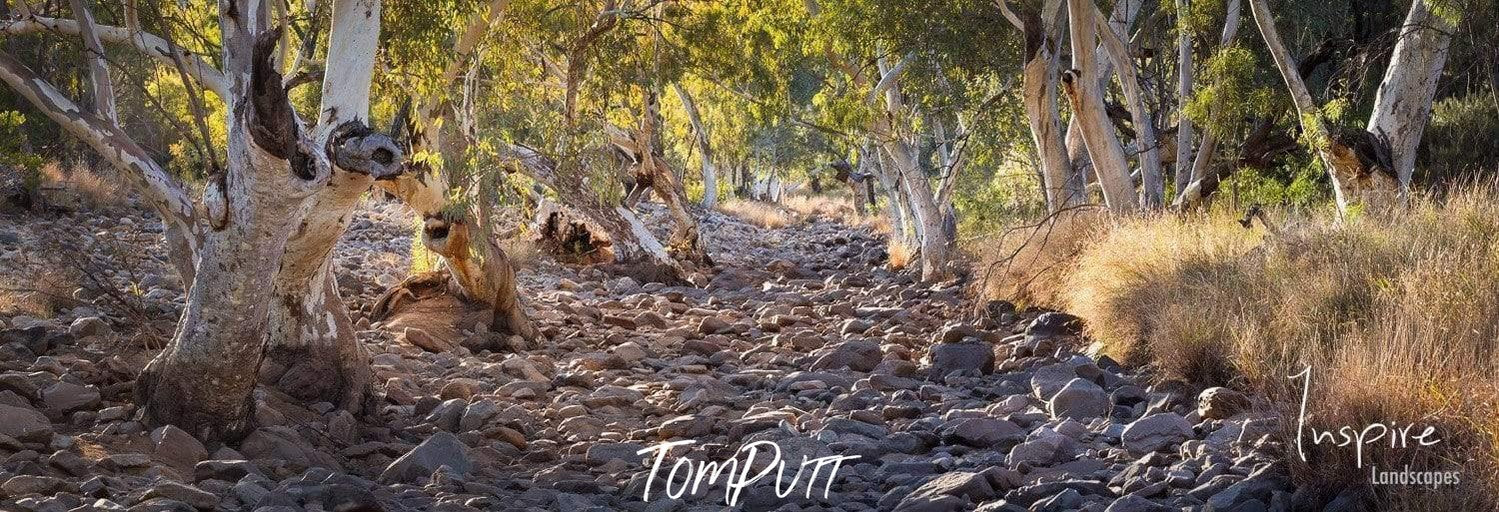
{"x": 945, "y": 358}
{"x": 24, "y": 423}
{"x": 1079, "y": 399}
{"x": 856, "y": 355}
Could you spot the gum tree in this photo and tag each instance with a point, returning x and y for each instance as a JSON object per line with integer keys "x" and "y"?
{"x": 270, "y": 215}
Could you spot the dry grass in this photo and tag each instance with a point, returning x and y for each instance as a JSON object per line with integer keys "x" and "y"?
{"x": 761, "y": 214}
{"x": 80, "y": 187}
{"x": 901, "y": 255}
{"x": 1395, "y": 317}
{"x": 1029, "y": 264}
{"x": 38, "y": 293}
{"x": 834, "y": 207}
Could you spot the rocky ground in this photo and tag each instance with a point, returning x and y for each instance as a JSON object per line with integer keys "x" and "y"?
{"x": 802, "y": 338}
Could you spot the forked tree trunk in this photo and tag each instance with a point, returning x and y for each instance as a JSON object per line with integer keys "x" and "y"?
{"x": 1038, "y": 84}
{"x": 1152, "y": 183}
{"x": 644, "y": 143}
{"x": 1403, "y": 104}
{"x": 704, "y": 147}
{"x": 202, "y": 381}
{"x": 240, "y": 231}
{"x": 1355, "y": 162}
{"x": 312, "y": 353}
{"x": 1084, "y": 89}
{"x": 895, "y": 197}
{"x": 927, "y": 216}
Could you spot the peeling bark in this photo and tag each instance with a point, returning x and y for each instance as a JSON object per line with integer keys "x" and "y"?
{"x": 1403, "y": 104}
{"x": 102, "y": 89}
{"x": 312, "y": 351}
{"x": 1083, "y": 89}
{"x": 152, "y": 45}
{"x": 203, "y": 381}
{"x": 1039, "y": 91}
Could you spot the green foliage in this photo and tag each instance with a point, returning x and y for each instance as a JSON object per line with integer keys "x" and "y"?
{"x": 1228, "y": 92}
{"x": 1301, "y": 184}
{"x": 29, "y": 165}
{"x": 1202, "y": 18}
{"x": 1459, "y": 143}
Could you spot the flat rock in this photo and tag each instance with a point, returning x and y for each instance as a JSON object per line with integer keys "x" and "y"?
{"x": 1079, "y": 399}
{"x": 24, "y": 423}
{"x": 1155, "y": 432}
{"x": 64, "y": 397}
{"x": 946, "y": 358}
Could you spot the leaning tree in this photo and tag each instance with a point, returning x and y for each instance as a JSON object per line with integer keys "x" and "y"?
{"x": 270, "y": 215}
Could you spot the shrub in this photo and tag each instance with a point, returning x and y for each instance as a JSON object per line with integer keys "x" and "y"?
{"x": 1395, "y": 316}
{"x": 761, "y": 214}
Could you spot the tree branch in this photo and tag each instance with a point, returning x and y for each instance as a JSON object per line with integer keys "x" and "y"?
{"x": 160, "y": 188}
{"x": 102, "y": 88}
{"x": 152, "y": 45}
{"x": 890, "y": 77}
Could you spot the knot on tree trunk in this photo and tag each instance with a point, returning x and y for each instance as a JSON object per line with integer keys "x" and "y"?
{"x": 356, "y": 148}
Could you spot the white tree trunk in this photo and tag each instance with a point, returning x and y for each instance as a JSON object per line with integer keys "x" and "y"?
{"x": 1354, "y": 181}
{"x": 1121, "y": 19}
{"x": 202, "y": 381}
{"x": 1403, "y": 104}
{"x": 1208, "y": 146}
{"x": 1083, "y": 88}
{"x": 704, "y": 147}
{"x": 312, "y": 352}
{"x": 239, "y": 233}
{"x": 1183, "y": 94}
{"x": 1152, "y": 183}
{"x": 927, "y": 215}
{"x": 1038, "y": 86}
{"x": 101, "y": 87}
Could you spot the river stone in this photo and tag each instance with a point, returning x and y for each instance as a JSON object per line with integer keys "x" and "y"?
{"x": 442, "y": 449}
{"x": 1079, "y": 399}
{"x": 1155, "y": 432}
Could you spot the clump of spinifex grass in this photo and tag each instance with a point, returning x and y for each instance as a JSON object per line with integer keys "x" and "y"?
{"x": 1397, "y": 316}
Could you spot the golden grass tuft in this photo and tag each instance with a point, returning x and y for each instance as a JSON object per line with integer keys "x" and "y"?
{"x": 1029, "y": 264}
{"x": 901, "y": 255}
{"x": 80, "y": 187}
{"x": 761, "y": 214}
{"x": 833, "y": 207}
{"x": 1394, "y": 315}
